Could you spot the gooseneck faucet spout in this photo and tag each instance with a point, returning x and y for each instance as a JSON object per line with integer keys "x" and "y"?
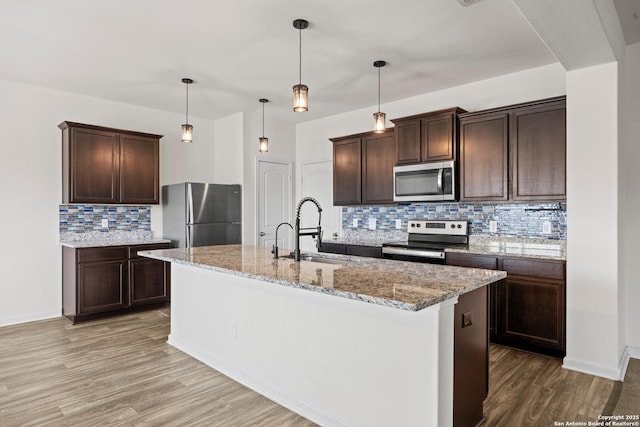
{"x": 314, "y": 231}
{"x": 274, "y": 249}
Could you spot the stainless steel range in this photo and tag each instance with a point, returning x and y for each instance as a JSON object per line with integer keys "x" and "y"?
{"x": 427, "y": 241}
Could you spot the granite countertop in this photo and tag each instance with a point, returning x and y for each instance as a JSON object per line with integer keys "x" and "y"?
{"x": 516, "y": 247}
{"x": 484, "y": 245}
{"x": 98, "y": 243}
{"x": 403, "y": 285}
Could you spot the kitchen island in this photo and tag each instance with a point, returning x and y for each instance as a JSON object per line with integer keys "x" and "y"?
{"x": 340, "y": 340}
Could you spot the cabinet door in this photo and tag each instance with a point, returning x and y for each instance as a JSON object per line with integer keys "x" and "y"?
{"x": 94, "y": 166}
{"x": 102, "y": 286}
{"x": 347, "y": 172}
{"x": 407, "y": 140}
{"x": 533, "y": 314}
{"x": 139, "y": 169}
{"x": 377, "y": 168}
{"x": 538, "y": 152}
{"x": 149, "y": 281}
{"x": 437, "y": 138}
{"x": 483, "y": 157}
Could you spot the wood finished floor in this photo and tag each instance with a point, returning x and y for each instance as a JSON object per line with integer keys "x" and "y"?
{"x": 121, "y": 372}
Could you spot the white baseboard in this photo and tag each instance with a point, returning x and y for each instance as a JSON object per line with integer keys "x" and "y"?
{"x": 15, "y": 320}
{"x": 591, "y": 369}
{"x": 628, "y": 353}
{"x": 613, "y": 374}
{"x": 245, "y": 378}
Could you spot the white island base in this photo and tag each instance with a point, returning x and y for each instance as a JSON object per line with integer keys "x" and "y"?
{"x": 335, "y": 361}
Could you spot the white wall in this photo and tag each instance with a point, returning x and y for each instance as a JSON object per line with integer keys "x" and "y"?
{"x": 31, "y": 188}
{"x": 592, "y": 199}
{"x": 282, "y": 147}
{"x": 630, "y": 198}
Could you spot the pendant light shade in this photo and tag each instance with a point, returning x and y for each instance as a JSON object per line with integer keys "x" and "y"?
{"x": 379, "y": 125}
{"x": 263, "y": 142}
{"x": 300, "y": 91}
{"x": 187, "y": 129}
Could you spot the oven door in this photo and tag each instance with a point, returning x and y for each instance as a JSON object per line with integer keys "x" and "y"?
{"x": 414, "y": 255}
{"x": 424, "y": 182}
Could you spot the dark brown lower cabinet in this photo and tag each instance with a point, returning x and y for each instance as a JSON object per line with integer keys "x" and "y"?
{"x": 470, "y": 358}
{"x": 105, "y": 281}
{"x": 527, "y": 310}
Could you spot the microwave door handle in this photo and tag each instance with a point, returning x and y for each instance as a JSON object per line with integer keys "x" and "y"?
{"x": 440, "y": 172}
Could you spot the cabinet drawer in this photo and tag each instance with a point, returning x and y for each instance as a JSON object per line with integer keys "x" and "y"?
{"x": 133, "y": 250}
{"x": 102, "y": 254}
{"x": 536, "y": 268}
{"x": 472, "y": 260}
{"x": 333, "y": 248}
{"x": 367, "y": 251}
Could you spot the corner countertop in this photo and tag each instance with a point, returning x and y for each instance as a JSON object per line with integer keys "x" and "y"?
{"x": 98, "y": 243}
{"x": 484, "y": 245}
{"x": 403, "y": 285}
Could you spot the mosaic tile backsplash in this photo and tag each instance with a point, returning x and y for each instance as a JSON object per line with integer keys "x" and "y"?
{"x": 84, "y": 222}
{"x": 513, "y": 220}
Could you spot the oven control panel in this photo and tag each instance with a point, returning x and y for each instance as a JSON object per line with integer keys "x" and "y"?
{"x": 457, "y": 228}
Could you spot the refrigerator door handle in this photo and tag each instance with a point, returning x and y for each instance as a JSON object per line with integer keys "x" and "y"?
{"x": 188, "y": 237}
{"x": 190, "y": 219}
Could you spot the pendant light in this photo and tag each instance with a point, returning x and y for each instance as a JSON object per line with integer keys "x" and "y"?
{"x": 187, "y": 129}
{"x": 379, "y": 125}
{"x": 300, "y": 91}
{"x": 263, "y": 142}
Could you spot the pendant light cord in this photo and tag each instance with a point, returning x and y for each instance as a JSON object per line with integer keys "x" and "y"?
{"x": 187, "y": 104}
{"x": 378, "y": 89}
{"x": 300, "y": 56}
{"x": 263, "y": 119}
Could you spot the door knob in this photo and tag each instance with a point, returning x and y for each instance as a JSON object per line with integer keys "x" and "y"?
{"x": 262, "y": 233}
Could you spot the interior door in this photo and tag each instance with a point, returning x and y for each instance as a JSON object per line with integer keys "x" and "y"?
{"x": 317, "y": 182}
{"x": 274, "y": 203}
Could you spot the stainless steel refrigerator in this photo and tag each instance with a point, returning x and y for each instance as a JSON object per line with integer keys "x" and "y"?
{"x": 196, "y": 214}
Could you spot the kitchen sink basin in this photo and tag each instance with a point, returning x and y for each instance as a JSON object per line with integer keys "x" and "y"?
{"x": 315, "y": 258}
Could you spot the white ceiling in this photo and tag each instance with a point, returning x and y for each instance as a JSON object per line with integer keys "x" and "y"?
{"x": 137, "y": 51}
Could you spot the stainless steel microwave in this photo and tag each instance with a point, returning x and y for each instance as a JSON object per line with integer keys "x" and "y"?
{"x": 424, "y": 182}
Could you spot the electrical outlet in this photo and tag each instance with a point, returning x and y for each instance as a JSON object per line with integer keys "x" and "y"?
{"x": 372, "y": 223}
{"x": 546, "y": 227}
{"x": 493, "y": 226}
{"x": 355, "y": 222}
{"x": 398, "y": 224}
{"x": 467, "y": 319}
{"x": 105, "y": 223}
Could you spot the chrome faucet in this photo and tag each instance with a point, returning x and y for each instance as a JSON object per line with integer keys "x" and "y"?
{"x": 317, "y": 231}
{"x": 274, "y": 249}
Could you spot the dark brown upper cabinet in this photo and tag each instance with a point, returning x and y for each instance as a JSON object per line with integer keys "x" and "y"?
{"x": 110, "y": 166}
{"x": 363, "y": 169}
{"x": 514, "y": 153}
{"x": 538, "y": 151}
{"x": 426, "y": 137}
{"x": 483, "y": 165}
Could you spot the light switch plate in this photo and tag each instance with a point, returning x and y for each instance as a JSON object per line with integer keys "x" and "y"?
{"x": 398, "y": 224}
{"x": 355, "y": 222}
{"x": 372, "y": 223}
{"x": 493, "y": 226}
{"x": 546, "y": 227}
{"x": 105, "y": 223}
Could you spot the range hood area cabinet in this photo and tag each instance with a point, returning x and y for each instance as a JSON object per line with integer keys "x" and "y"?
{"x": 515, "y": 153}
{"x": 363, "y": 169}
{"x": 109, "y": 166}
{"x": 427, "y": 137}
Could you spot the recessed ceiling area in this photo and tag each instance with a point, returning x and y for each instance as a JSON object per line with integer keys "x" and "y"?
{"x": 237, "y": 52}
